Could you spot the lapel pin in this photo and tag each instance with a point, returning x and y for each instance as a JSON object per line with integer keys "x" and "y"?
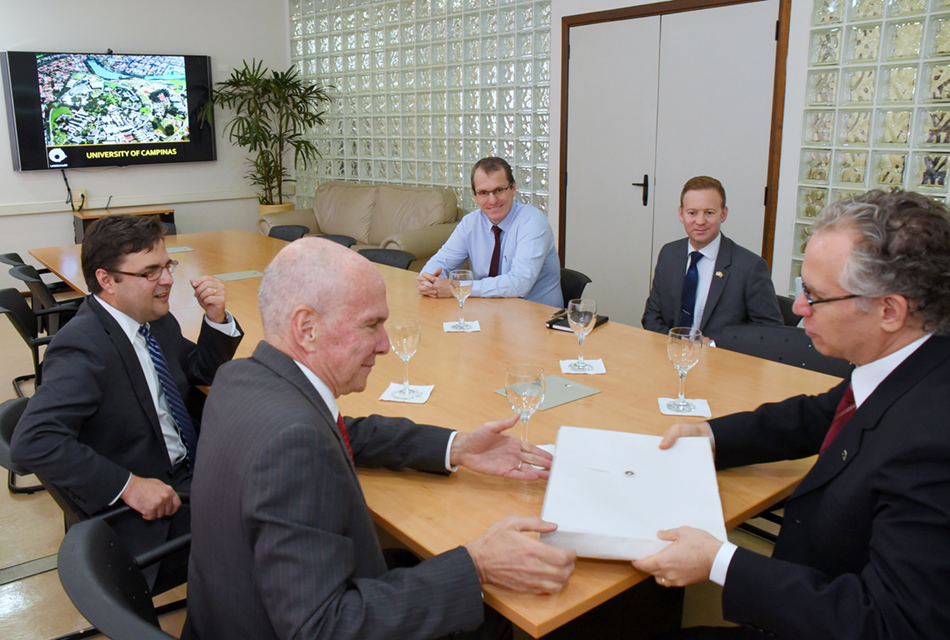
{"x": 719, "y": 274}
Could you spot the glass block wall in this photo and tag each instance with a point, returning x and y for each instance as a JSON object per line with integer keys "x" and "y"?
{"x": 424, "y": 88}
{"x": 877, "y": 104}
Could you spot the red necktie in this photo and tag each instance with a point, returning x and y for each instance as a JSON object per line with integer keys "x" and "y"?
{"x": 496, "y": 254}
{"x": 343, "y": 432}
{"x": 846, "y": 409}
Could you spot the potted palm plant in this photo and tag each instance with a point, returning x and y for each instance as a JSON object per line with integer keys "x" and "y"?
{"x": 272, "y": 111}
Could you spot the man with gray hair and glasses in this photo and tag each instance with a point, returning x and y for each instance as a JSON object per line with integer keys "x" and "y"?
{"x": 863, "y": 548}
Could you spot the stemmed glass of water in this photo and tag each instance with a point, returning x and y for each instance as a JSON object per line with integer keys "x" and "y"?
{"x": 581, "y": 316}
{"x": 524, "y": 384}
{"x": 404, "y": 334}
{"x": 683, "y": 347}
{"x": 460, "y": 282}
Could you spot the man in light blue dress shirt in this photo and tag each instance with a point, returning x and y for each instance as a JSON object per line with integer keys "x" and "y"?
{"x": 525, "y": 263}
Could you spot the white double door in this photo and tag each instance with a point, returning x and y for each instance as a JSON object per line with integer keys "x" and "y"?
{"x": 670, "y": 97}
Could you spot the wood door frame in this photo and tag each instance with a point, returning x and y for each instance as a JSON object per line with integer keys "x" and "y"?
{"x": 659, "y": 9}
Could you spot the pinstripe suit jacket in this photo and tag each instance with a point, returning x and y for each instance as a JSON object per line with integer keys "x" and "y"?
{"x": 284, "y": 545}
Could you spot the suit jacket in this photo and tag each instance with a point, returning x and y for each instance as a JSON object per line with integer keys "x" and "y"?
{"x": 92, "y": 421}
{"x": 742, "y": 295}
{"x": 284, "y": 545}
{"x": 863, "y": 548}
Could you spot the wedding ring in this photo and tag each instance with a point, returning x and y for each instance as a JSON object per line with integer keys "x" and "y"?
{"x": 520, "y": 462}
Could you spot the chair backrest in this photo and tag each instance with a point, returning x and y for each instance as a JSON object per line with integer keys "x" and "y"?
{"x": 789, "y": 317}
{"x": 12, "y": 259}
{"x": 288, "y": 232}
{"x": 391, "y": 257}
{"x": 38, "y": 289}
{"x": 572, "y": 284}
{"x": 105, "y": 583}
{"x": 789, "y": 345}
{"x": 15, "y": 307}
{"x": 10, "y": 412}
{"x": 171, "y": 229}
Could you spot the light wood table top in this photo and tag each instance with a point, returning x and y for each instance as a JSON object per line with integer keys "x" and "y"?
{"x": 434, "y": 514}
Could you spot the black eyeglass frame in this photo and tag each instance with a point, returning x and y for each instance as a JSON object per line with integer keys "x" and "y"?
{"x": 496, "y": 192}
{"x": 812, "y": 301}
{"x": 153, "y": 273}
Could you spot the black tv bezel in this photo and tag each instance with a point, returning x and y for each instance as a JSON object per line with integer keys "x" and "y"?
{"x": 25, "y": 119}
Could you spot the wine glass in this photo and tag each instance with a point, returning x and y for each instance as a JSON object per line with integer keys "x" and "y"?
{"x": 461, "y": 281}
{"x": 524, "y": 384}
{"x": 683, "y": 347}
{"x": 581, "y": 316}
{"x": 404, "y": 334}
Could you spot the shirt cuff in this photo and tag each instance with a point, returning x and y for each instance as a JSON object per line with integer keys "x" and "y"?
{"x": 720, "y": 565}
{"x": 116, "y": 499}
{"x": 228, "y": 327}
{"x": 448, "y": 454}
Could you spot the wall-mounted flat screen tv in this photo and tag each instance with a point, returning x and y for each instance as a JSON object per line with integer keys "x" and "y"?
{"x": 74, "y": 110}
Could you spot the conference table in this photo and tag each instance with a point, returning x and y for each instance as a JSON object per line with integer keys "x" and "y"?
{"x": 432, "y": 514}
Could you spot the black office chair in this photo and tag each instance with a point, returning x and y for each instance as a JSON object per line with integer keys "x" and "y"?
{"x": 24, "y": 320}
{"x": 572, "y": 284}
{"x": 106, "y": 584}
{"x": 14, "y": 260}
{"x": 288, "y": 232}
{"x": 10, "y": 412}
{"x": 391, "y": 257}
{"x": 788, "y": 345}
{"x": 170, "y": 228}
{"x": 346, "y": 241}
{"x": 58, "y": 313}
{"x": 789, "y": 317}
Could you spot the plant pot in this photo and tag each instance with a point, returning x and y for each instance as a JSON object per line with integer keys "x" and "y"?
{"x": 264, "y": 209}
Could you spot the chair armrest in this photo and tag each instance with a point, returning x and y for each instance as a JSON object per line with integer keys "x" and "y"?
{"x": 424, "y": 242}
{"x": 303, "y": 217}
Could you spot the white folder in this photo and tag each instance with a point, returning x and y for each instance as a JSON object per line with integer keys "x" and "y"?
{"x": 611, "y": 491}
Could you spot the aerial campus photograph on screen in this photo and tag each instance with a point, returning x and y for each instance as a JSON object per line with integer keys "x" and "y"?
{"x": 90, "y": 99}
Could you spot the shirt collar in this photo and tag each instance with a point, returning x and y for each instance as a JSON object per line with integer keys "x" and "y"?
{"x": 866, "y": 378}
{"x": 128, "y": 325}
{"x": 509, "y": 220}
{"x": 711, "y": 250}
{"x": 325, "y": 394}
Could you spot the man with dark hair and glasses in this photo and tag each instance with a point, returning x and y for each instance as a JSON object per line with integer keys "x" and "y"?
{"x": 862, "y": 551}
{"x": 116, "y": 418}
{"x": 509, "y": 245}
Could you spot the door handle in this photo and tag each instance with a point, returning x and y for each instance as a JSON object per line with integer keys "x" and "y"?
{"x": 646, "y": 187}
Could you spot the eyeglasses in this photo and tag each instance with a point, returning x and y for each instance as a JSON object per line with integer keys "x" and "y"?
{"x": 813, "y": 301}
{"x": 497, "y": 192}
{"x": 152, "y": 273}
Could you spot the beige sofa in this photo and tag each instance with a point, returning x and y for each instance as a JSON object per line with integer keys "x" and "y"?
{"x": 414, "y": 219}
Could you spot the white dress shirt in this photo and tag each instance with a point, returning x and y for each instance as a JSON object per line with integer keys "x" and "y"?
{"x": 705, "y": 268}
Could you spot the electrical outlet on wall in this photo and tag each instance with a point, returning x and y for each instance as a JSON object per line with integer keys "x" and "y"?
{"x": 80, "y": 199}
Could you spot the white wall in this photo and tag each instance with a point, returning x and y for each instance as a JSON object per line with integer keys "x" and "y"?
{"x": 794, "y": 105}
{"x": 206, "y": 196}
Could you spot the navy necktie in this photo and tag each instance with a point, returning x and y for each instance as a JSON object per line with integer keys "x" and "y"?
{"x": 175, "y": 402}
{"x": 496, "y": 254}
{"x": 689, "y": 290}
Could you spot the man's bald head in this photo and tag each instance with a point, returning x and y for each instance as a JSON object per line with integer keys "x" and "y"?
{"x": 321, "y": 274}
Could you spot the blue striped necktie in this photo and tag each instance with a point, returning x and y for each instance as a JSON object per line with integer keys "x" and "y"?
{"x": 173, "y": 396}
{"x": 689, "y": 290}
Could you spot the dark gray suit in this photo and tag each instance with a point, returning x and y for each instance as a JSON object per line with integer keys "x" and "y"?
{"x": 284, "y": 544}
{"x": 92, "y": 421}
{"x": 742, "y": 294}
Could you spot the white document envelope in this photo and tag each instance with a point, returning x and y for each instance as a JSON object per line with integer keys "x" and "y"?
{"x": 610, "y": 492}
